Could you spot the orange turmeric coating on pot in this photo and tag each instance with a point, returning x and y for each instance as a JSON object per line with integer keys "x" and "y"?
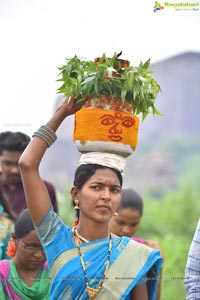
{"x": 106, "y": 126}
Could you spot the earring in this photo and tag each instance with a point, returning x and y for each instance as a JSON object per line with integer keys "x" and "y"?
{"x": 11, "y": 248}
{"x": 76, "y": 204}
{"x": 115, "y": 214}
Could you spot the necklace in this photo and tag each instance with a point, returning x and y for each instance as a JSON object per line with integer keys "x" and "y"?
{"x": 79, "y": 237}
{"x": 92, "y": 292}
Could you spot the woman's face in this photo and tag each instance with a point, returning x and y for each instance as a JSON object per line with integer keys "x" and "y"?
{"x": 29, "y": 253}
{"x": 126, "y": 223}
{"x": 99, "y": 196}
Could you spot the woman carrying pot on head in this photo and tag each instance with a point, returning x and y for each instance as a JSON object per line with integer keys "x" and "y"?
{"x": 86, "y": 262}
{"x": 25, "y": 276}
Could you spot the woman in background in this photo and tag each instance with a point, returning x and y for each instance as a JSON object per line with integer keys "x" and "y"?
{"x": 26, "y": 275}
{"x": 126, "y": 221}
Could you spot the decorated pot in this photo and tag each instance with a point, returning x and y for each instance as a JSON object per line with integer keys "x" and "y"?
{"x": 106, "y": 126}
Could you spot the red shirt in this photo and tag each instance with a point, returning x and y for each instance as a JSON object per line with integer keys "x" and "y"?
{"x": 17, "y": 198}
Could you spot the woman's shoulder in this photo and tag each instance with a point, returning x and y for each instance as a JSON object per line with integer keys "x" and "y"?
{"x": 4, "y": 267}
{"x": 51, "y": 221}
{"x": 4, "y": 262}
{"x": 52, "y": 230}
{"x": 138, "y": 239}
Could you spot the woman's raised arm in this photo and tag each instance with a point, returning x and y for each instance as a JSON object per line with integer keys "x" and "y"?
{"x": 37, "y": 197}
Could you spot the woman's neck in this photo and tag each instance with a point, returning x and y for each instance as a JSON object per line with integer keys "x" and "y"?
{"x": 20, "y": 267}
{"x": 27, "y": 275}
{"x": 92, "y": 231}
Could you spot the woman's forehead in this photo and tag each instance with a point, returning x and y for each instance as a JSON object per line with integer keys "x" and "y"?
{"x": 105, "y": 175}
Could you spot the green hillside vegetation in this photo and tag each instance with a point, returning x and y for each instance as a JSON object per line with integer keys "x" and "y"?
{"x": 172, "y": 223}
{"x": 156, "y": 168}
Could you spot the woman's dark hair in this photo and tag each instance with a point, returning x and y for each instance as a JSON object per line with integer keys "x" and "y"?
{"x": 24, "y": 224}
{"x": 131, "y": 199}
{"x": 6, "y": 206}
{"x": 84, "y": 172}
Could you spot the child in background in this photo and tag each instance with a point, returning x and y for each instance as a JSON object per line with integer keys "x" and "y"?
{"x": 127, "y": 220}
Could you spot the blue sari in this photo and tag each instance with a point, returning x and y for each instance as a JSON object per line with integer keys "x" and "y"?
{"x": 131, "y": 264}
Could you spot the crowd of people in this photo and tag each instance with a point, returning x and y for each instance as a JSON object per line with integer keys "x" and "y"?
{"x": 98, "y": 257}
{"x": 24, "y": 272}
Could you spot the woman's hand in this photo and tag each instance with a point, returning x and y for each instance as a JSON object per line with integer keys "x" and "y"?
{"x": 67, "y": 107}
{"x": 70, "y": 106}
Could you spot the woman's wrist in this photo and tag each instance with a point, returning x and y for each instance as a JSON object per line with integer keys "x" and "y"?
{"x": 46, "y": 134}
{"x": 61, "y": 113}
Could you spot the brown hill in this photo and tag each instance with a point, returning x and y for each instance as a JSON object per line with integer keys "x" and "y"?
{"x": 179, "y": 78}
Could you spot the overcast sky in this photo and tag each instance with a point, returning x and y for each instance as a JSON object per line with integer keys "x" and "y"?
{"x": 37, "y": 36}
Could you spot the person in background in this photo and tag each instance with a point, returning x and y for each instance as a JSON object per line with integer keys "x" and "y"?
{"x": 127, "y": 220}
{"x": 7, "y": 219}
{"x": 12, "y": 144}
{"x": 86, "y": 262}
{"x": 192, "y": 269}
{"x": 25, "y": 276}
